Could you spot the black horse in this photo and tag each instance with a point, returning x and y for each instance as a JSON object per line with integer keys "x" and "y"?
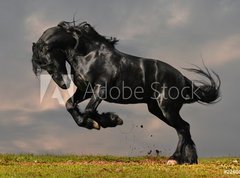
{"x": 101, "y": 72}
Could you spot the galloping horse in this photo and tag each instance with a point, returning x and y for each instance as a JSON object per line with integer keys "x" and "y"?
{"x": 101, "y": 72}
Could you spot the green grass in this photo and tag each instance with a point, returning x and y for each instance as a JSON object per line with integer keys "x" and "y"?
{"x": 27, "y": 165}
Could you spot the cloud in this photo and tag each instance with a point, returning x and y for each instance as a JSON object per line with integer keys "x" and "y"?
{"x": 224, "y": 50}
{"x": 32, "y": 102}
{"x": 134, "y": 27}
{"x": 179, "y": 16}
{"x": 154, "y": 124}
{"x": 35, "y": 24}
{"x": 47, "y": 144}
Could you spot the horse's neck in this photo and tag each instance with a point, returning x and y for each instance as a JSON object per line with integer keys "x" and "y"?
{"x": 91, "y": 47}
{"x": 79, "y": 61}
{"x": 95, "y": 45}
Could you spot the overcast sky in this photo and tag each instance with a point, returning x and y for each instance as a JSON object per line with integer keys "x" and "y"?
{"x": 176, "y": 31}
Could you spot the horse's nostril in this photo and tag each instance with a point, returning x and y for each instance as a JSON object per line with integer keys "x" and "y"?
{"x": 64, "y": 86}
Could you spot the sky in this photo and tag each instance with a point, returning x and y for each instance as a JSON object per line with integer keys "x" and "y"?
{"x": 178, "y": 32}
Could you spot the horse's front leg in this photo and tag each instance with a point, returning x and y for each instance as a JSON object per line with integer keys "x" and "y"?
{"x": 105, "y": 119}
{"x": 72, "y": 108}
{"x": 97, "y": 95}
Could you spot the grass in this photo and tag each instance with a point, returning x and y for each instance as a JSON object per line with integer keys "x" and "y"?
{"x": 28, "y": 165}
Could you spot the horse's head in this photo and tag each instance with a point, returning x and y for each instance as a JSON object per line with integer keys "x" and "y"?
{"x": 47, "y": 55}
{"x": 58, "y": 44}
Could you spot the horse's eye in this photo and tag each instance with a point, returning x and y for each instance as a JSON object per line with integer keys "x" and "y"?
{"x": 87, "y": 28}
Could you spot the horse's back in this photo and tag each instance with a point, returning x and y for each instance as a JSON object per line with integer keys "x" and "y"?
{"x": 145, "y": 71}
{"x": 159, "y": 71}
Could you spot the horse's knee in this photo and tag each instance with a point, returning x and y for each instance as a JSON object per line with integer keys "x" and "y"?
{"x": 186, "y": 125}
{"x": 183, "y": 127}
{"x": 80, "y": 121}
{"x": 88, "y": 111}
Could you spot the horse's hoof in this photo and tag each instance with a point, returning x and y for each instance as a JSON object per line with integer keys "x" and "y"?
{"x": 171, "y": 162}
{"x": 119, "y": 121}
{"x": 96, "y": 125}
{"x": 116, "y": 119}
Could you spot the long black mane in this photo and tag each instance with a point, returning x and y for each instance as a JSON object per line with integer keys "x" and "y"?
{"x": 88, "y": 32}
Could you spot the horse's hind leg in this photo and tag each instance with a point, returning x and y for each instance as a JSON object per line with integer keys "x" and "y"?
{"x": 185, "y": 151}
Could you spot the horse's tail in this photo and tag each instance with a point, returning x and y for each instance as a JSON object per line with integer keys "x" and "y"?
{"x": 205, "y": 93}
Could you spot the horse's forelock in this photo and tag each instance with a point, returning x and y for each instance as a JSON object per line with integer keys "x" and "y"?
{"x": 36, "y": 67}
{"x": 35, "y": 59}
